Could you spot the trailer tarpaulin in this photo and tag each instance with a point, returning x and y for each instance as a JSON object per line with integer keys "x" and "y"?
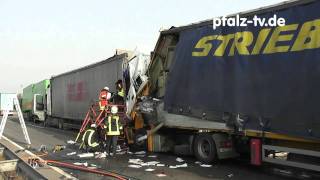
{"x": 268, "y": 72}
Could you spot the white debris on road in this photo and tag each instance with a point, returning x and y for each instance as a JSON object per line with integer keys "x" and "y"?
{"x": 182, "y": 165}
{"x": 135, "y": 161}
{"x": 81, "y": 164}
{"x": 178, "y": 166}
{"x": 230, "y": 175}
{"x": 141, "y": 163}
{"x": 152, "y": 163}
{"x": 206, "y": 165}
{"x": 149, "y": 170}
{"x": 121, "y": 152}
{"x": 101, "y": 155}
{"x": 92, "y": 166}
{"x": 152, "y": 156}
{"x": 83, "y": 155}
{"x": 138, "y": 163}
{"x": 72, "y": 153}
{"x": 173, "y": 167}
{"x": 140, "y": 153}
{"x": 134, "y": 166}
{"x": 161, "y": 175}
{"x": 71, "y": 142}
{"x": 197, "y": 162}
{"x": 179, "y": 159}
{"x": 118, "y": 148}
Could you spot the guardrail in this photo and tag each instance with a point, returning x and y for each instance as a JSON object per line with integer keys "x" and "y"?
{"x": 15, "y": 159}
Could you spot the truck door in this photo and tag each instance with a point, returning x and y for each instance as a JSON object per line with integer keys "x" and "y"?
{"x": 38, "y": 107}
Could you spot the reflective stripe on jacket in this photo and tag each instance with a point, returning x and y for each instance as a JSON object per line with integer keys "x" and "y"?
{"x": 121, "y": 92}
{"x": 113, "y": 126}
{"x": 88, "y": 138}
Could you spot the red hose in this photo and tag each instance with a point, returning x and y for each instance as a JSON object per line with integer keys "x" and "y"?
{"x": 68, "y": 165}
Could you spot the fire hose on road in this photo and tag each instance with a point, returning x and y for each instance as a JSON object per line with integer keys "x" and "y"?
{"x": 81, "y": 168}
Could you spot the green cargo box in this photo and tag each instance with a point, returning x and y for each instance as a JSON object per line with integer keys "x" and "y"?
{"x": 28, "y": 93}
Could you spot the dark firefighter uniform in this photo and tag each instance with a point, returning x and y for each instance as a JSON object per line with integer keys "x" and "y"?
{"x": 121, "y": 92}
{"x": 119, "y": 97}
{"x": 113, "y": 130}
{"x": 90, "y": 139}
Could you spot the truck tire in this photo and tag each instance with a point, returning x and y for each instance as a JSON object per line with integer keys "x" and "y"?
{"x": 205, "y": 148}
{"x": 35, "y": 119}
{"x": 29, "y": 116}
{"x": 142, "y": 145}
{"x": 60, "y": 124}
{"x": 45, "y": 121}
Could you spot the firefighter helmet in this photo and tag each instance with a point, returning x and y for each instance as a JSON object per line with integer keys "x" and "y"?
{"x": 114, "y": 109}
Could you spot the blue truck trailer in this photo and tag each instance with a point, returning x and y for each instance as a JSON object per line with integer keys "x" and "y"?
{"x": 218, "y": 93}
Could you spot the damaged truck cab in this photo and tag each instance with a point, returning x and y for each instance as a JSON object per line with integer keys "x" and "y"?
{"x": 183, "y": 132}
{"x": 202, "y": 101}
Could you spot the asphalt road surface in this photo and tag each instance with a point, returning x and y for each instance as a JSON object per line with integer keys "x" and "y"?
{"x": 227, "y": 169}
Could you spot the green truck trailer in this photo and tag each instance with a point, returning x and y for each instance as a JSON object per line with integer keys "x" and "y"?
{"x": 34, "y": 100}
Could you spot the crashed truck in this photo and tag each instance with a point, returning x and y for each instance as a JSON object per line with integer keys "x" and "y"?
{"x": 72, "y": 93}
{"x": 254, "y": 91}
{"x": 64, "y": 100}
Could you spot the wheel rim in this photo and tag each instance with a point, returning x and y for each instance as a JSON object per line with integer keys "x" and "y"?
{"x": 204, "y": 147}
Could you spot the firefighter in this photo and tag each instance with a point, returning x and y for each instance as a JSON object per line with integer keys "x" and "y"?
{"x": 119, "y": 97}
{"x": 104, "y": 96}
{"x": 113, "y": 130}
{"x": 90, "y": 139}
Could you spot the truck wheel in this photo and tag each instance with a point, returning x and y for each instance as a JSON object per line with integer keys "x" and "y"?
{"x": 35, "y": 119}
{"x": 60, "y": 124}
{"x": 205, "y": 148}
{"x": 29, "y": 116}
{"x": 142, "y": 145}
{"x": 45, "y": 123}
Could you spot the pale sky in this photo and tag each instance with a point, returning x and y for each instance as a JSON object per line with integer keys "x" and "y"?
{"x": 41, "y": 38}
